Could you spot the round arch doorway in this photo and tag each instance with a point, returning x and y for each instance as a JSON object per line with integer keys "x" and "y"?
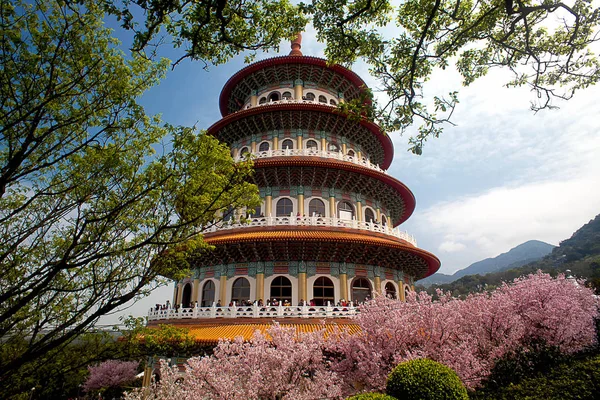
{"x": 240, "y": 291}
{"x": 390, "y": 290}
{"x": 323, "y": 291}
{"x": 281, "y": 289}
{"x": 361, "y": 290}
{"x": 208, "y": 294}
{"x": 186, "y": 298}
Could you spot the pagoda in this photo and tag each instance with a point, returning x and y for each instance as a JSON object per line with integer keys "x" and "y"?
{"x": 327, "y": 235}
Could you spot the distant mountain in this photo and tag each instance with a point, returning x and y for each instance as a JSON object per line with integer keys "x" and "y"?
{"x": 578, "y": 256}
{"x": 524, "y": 253}
{"x": 436, "y": 279}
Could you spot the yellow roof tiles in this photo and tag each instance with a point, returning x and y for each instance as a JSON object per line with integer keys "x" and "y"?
{"x": 212, "y": 334}
{"x": 298, "y": 234}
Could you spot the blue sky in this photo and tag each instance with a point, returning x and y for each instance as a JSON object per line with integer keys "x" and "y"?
{"x": 503, "y": 175}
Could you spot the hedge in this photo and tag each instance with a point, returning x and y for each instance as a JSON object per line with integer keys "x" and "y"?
{"x": 424, "y": 379}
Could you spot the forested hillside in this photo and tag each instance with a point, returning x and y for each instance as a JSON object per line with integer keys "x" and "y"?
{"x": 518, "y": 256}
{"x": 580, "y": 254}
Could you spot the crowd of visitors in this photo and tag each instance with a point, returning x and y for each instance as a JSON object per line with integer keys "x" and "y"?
{"x": 272, "y": 302}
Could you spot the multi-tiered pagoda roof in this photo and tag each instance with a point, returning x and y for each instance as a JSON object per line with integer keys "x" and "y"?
{"x": 327, "y": 235}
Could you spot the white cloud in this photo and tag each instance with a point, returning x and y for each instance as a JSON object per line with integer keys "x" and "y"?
{"x": 492, "y": 222}
{"x": 451, "y": 246}
{"x": 506, "y": 175}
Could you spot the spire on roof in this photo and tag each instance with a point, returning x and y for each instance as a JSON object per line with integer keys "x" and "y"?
{"x": 296, "y": 46}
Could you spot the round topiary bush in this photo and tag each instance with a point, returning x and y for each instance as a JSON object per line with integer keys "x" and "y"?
{"x": 423, "y": 379}
{"x": 371, "y": 396}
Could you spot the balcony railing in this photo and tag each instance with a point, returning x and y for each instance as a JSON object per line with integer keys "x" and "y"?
{"x": 336, "y": 155}
{"x": 254, "y": 311}
{"x": 291, "y": 101}
{"x": 311, "y": 221}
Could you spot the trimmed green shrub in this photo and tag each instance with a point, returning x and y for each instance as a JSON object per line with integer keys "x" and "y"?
{"x": 424, "y": 379}
{"x": 571, "y": 380}
{"x": 371, "y": 396}
{"x": 523, "y": 363}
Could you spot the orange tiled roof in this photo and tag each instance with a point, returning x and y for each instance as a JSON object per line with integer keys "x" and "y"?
{"x": 306, "y": 234}
{"x": 212, "y": 334}
{"x": 324, "y": 235}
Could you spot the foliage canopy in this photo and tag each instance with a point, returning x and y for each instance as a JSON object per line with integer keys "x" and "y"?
{"x": 546, "y": 45}
{"x": 206, "y": 30}
{"x": 92, "y": 189}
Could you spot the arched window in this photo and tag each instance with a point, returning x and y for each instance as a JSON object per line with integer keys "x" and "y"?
{"x": 229, "y": 214}
{"x": 323, "y": 291}
{"x": 332, "y": 102}
{"x": 286, "y": 96}
{"x": 262, "y": 100}
{"x": 333, "y": 147}
{"x": 243, "y": 151}
{"x": 322, "y": 99}
{"x": 310, "y": 96}
{"x": 240, "y": 290}
{"x": 208, "y": 294}
{"x": 187, "y": 295}
{"x": 316, "y": 207}
{"x": 287, "y": 144}
{"x": 284, "y": 208}
{"x": 264, "y": 146}
{"x": 361, "y": 290}
{"x": 274, "y": 96}
{"x": 281, "y": 289}
{"x": 369, "y": 215}
{"x": 390, "y": 290}
{"x": 383, "y": 220}
{"x": 312, "y": 144}
{"x": 351, "y": 153}
{"x": 345, "y": 210}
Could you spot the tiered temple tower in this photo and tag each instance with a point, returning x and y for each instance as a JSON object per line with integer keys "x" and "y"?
{"x": 328, "y": 226}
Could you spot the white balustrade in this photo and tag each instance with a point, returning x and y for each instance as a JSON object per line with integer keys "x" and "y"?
{"x": 290, "y": 101}
{"x": 336, "y": 155}
{"x": 293, "y": 220}
{"x": 255, "y": 311}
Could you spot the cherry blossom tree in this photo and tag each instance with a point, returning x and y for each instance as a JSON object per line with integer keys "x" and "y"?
{"x": 469, "y": 336}
{"x": 111, "y": 373}
{"x": 280, "y": 365}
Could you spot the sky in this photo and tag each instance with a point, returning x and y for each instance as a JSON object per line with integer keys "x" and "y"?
{"x": 503, "y": 175}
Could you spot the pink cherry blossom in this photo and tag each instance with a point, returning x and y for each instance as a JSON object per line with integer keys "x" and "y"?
{"x": 111, "y": 373}
{"x": 467, "y": 335}
{"x": 282, "y": 366}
